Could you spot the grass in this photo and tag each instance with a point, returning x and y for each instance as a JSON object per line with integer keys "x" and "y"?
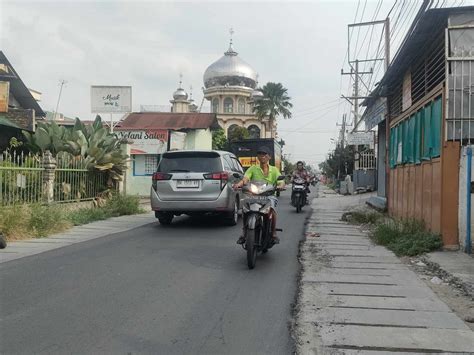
{"x": 25, "y": 221}
{"x": 363, "y": 217}
{"x": 406, "y": 237}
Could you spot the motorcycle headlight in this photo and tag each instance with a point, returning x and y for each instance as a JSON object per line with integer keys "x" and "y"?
{"x": 255, "y": 207}
{"x": 254, "y": 189}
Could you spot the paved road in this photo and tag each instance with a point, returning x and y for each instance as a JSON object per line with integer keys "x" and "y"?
{"x": 169, "y": 290}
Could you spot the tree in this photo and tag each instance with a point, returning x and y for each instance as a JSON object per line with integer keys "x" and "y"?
{"x": 238, "y": 134}
{"x": 339, "y": 163}
{"x": 275, "y": 102}
{"x": 219, "y": 140}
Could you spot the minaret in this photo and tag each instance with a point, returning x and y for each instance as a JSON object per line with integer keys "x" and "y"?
{"x": 192, "y": 105}
{"x": 180, "y": 99}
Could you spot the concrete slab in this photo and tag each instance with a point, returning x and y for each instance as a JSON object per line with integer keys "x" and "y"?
{"x": 341, "y": 263}
{"x": 386, "y": 317}
{"x": 396, "y": 280}
{"x": 398, "y": 339}
{"x": 336, "y": 289}
{"x": 420, "y": 304}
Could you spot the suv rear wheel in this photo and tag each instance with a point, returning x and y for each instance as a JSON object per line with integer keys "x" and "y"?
{"x": 165, "y": 218}
{"x": 232, "y": 217}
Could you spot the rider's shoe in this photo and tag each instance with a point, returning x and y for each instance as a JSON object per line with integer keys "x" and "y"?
{"x": 241, "y": 240}
{"x": 276, "y": 240}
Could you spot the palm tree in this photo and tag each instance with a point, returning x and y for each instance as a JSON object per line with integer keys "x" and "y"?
{"x": 275, "y": 102}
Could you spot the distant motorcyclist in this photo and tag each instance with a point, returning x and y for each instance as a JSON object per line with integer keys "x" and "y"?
{"x": 301, "y": 173}
{"x": 262, "y": 172}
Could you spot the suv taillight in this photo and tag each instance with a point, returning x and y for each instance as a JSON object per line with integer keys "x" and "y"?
{"x": 222, "y": 176}
{"x": 159, "y": 176}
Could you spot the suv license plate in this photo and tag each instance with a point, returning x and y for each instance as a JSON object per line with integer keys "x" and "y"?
{"x": 187, "y": 183}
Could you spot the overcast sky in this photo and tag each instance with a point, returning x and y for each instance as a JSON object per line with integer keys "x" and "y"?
{"x": 148, "y": 44}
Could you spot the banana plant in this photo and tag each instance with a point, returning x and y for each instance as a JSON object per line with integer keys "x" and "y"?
{"x": 90, "y": 145}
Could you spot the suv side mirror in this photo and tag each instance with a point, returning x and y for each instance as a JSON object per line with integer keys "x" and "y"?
{"x": 237, "y": 175}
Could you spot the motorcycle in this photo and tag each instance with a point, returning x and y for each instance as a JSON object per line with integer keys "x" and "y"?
{"x": 298, "y": 194}
{"x": 257, "y": 221}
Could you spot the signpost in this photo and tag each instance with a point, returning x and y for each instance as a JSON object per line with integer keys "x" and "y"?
{"x": 111, "y": 99}
{"x": 360, "y": 138}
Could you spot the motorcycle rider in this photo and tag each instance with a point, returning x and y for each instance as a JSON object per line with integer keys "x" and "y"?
{"x": 301, "y": 173}
{"x": 262, "y": 172}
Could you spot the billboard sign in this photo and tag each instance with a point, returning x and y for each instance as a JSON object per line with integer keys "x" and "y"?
{"x": 146, "y": 141}
{"x": 360, "y": 138}
{"x": 111, "y": 99}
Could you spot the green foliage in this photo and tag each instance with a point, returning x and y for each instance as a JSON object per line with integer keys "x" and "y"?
{"x": 219, "y": 140}
{"x": 238, "y": 134}
{"x": 100, "y": 149}
{"x": 362, "y": 217}
{"x": 275, "y": 102}
{"x": 120, "y": 205}
{"x": 340, "y": 160}
{"x": 406, "y": 237}
{"x": 45, "y": 220}
{"x": 22, "y": 221}
{"x": 88, "y": 215}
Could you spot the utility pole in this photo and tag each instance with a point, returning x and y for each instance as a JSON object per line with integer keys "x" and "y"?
{"x": 62, "y": 82}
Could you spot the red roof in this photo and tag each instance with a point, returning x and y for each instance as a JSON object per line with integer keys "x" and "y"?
{"x": 168, "y": 120}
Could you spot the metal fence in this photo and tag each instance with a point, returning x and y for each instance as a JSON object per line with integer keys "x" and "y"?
{"x": 27, "y": 178}
{"x": 21, "y": 178}
{"x": 74, "y": 182}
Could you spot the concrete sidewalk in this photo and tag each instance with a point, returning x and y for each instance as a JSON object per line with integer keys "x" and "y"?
{"x": 77, "y": 234}
{"x": 359, "y": 298}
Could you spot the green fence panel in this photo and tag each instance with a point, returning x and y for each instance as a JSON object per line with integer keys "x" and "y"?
{"x": 436, "y": 119}
{"x": 399, "y": 148}
{"x": 426, "y": 128}
{"x": 417, "y": 137}
{"x": 411, "y": 139}
{"x": 405, "y": 141}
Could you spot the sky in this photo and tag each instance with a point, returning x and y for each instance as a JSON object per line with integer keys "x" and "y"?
{"x": 147, "y": 44}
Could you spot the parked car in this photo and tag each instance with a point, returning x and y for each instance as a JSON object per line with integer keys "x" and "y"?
{"x": 196, "y": 182}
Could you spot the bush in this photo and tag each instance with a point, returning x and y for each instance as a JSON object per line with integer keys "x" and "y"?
{"x": 45, "y": 220}
{"x": 88, "y": 215}
{"x": 406, "y": 237}
{"x": 120, "y": 205}
{"x": 12, "y": 221}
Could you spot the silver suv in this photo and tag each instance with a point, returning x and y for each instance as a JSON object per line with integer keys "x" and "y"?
{"x": 196, "y": 182}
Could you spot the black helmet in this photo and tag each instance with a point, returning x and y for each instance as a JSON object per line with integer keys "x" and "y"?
{"x": 264, "y": 150}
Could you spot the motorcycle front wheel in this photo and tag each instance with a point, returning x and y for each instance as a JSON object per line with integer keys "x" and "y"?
{"x": 250, "y": 238}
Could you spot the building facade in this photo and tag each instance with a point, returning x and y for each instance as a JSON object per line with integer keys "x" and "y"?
{"x": 430, "y": 123}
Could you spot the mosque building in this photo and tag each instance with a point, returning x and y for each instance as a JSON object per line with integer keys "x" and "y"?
{"x": 230, "y": 85}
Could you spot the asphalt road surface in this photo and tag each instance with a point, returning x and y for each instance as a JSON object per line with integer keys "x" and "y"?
{"x": 182, "y": 289}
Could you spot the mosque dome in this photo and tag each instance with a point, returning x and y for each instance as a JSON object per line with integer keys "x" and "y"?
{"x": 180, "y": 94}
{"x": 230, "y": 70}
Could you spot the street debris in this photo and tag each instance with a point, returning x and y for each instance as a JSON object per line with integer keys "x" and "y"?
{"x": 436, "y": 280}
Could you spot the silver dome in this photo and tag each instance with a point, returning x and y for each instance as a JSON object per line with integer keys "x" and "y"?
{"x": 180, "y": 94}
{"x": 231, "y": 70}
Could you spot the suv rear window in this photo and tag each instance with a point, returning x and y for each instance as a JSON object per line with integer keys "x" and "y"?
{"x": 199, "y": 162}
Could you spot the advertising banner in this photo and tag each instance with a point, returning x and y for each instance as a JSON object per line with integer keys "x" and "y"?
{"x": 146, "y": 141}
{"x": 111, "y": 99}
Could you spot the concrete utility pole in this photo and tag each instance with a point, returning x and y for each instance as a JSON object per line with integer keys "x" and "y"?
{"x": 62, "y": 82}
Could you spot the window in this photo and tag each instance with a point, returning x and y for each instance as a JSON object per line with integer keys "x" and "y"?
{"x": 241, "y": 105}
{"x": 237, "y": 166}
{"x": 228, "y": 105}
{"x": 190, "y": 162}
{"x": 227, "y": 163}
{"x": 145, "y": 164}
{"x": 230, "y": 129}
{"x": 254, "y": 131}
{"x": 215, "y": 105}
